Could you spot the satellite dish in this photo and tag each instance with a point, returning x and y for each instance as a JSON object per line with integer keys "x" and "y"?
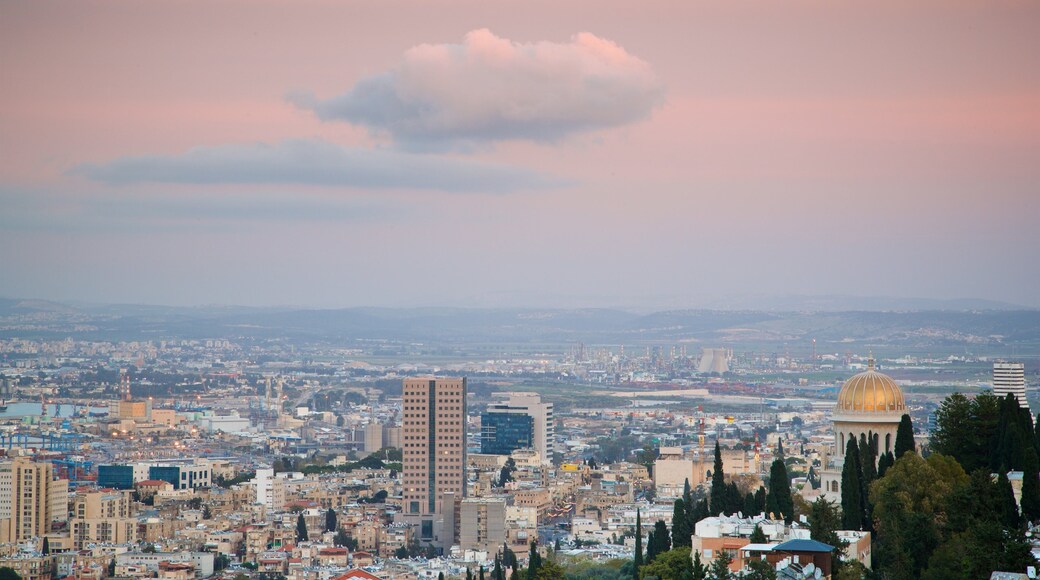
{"x": 809, "y": 569}
{"x": 818, "y": 574}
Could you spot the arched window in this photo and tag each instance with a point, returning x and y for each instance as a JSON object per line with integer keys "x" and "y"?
{"x": 888, "y": 442}
{"x": 834, "y": 486}
{"x": 841, "y": 449}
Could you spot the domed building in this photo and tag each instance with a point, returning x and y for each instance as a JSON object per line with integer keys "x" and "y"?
{"x": 869, "y": 408}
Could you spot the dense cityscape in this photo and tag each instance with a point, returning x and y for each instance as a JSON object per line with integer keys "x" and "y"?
{"x": 275, "y": 458}
{"x": 519, "y": 290}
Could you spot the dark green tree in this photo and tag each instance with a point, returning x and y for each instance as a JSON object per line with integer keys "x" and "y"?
{"x": 718, "y": 483}
{"x": 750, "y": 508}
{"x": 551, "y": 571}
{"x": 884, "y": 462}
{"x": 688, "y": 503}
{"x": 1030, "y": 487}
{"x": 700, "y": 571}
{"x": 651, "y": 547}
{"x": 638, "y": 560}
{"x": 45, "y": 549}
{"x": 910, "y": 504}
{"x": 673, "y": 564}
{"x": 8, "y": 573}
{"x": 966, "y": 429}
{"x": 1008, "y": 507}
{"x": 330, "y": 520}
{"x": 497, "y": 573}
{"x": 760, "y": 500}
{"x": 758, "y": 536}
{"x": 868, "y": 461}
{"x": 681, "y": 532}
{"x": 719, "y": 567}
{"x": 904, "y": 436}
{"x": 534, "y": 561}
{"x": 469, "y": 574}
{"x": 440, "y": 576}
{"x": 509, "y": 557}
{"x": 701, "y": 511}
{"x": 852, "y": 503}
{"x": 779, "y": 500}
{"x": 824, "y": 523}
{"x": 481, "y": 577}
{"x": 662, "y": 541}
{"x": 734, "y": 499}
{"x": 301, "y": 529}
{"x": 759, "y": 570}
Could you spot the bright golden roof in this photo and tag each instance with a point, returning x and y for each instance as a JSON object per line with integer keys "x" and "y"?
{"x": 871, "y": 392}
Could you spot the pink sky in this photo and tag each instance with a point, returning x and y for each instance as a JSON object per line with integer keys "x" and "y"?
{"x": 651, "y": 154}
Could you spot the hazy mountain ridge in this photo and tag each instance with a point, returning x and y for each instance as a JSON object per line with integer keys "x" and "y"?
{"x": 42, "y": 319}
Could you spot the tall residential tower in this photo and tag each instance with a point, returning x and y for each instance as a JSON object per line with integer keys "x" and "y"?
{"x": 1010, "y": 377}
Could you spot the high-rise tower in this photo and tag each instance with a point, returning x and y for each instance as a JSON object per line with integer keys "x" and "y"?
{"x": 1010, "y": 377}
{"x": 433, "y": 439}
{"x": 30, "y": 499}
{"x": 541, "y": 414}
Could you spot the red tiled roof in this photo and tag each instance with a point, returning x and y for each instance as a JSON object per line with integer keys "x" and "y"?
{"x": 357, "y": 573}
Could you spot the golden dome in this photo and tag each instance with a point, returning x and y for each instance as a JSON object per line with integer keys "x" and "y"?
{"x": 871, "y": 392}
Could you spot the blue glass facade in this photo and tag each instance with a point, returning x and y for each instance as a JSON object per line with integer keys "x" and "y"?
{"x": 503, "y": 433}
{"x": 116, "y": 476}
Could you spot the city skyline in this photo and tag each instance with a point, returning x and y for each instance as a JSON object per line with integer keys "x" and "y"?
{"x": 653, "y": 155}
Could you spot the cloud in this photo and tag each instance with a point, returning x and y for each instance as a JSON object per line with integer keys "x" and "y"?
{"x": 315, "y": 162}
{"x": 489, "y": 89}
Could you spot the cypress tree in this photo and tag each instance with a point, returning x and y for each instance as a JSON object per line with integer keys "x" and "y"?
{"x": 651, "y": 547}
{"x": 760, "y": 500}
{"x": 46, "y": 548}
{"x": 779, "y": 496}
{"x": 330, "y": 520}
{"x": 469, "y": 574}
{"x": 718, "y": 483}
{"x": 734, "y": 501}
{"x": 661, "y": 539}
{"x": 639, "y": 545}
{"x": 534, "y": 562}
{"x": 758, "y": 536}
{"x": 851, "y": 488}
{"x": 749, "y": 505}
{"x": 481, "y": 577}
{"x": 496, "y": 572}
{"x": 688, "y": 503}
{"x": 1006, "y": 498}
{"x": 905, "y": 437}
{"x": 1030, "y": 487}
{"x": 885, "y": 463}
{"x": 508, "y": 557}
{"x": 681, "y": 532}
{"x": 868, "y": 459}
{"x": 301, "y": 529}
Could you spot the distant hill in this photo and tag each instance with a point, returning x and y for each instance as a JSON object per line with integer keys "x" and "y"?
{"x": 919, "y": 328}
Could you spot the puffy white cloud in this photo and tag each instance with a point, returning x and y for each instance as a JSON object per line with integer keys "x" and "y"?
{"x": 315, "y": 162}
{"x": 489, "y": 88}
